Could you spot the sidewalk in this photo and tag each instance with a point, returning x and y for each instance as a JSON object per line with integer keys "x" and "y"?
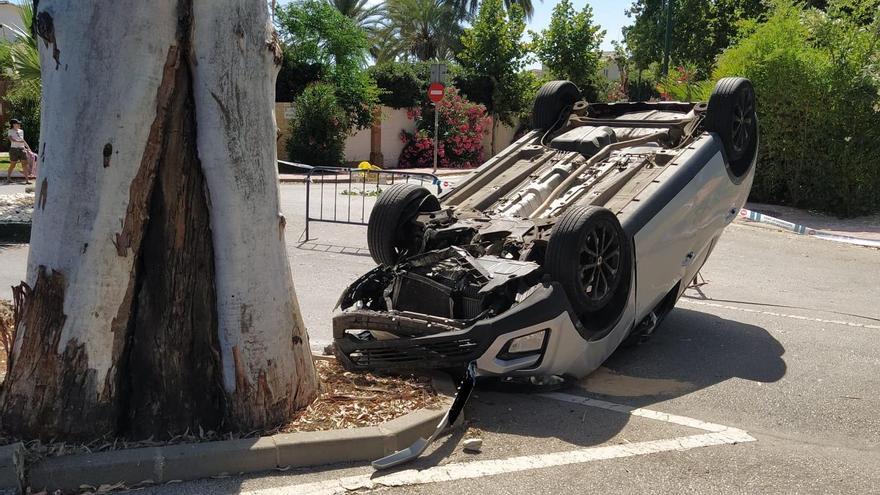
{"x": 864, "y": 227}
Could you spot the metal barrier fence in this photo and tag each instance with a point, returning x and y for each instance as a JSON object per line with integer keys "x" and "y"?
{"x": 325, "y": 186}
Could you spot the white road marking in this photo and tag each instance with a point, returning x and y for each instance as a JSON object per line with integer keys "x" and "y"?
{"x": 644, "y": 413}
{"x": 783, "y": 315}
{"x": 717, "y": 435}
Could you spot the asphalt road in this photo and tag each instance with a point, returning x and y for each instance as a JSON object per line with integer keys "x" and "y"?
{"x": 781, "y": 342}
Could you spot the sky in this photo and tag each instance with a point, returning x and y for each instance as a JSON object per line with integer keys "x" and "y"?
{"x": 610, "y": 14}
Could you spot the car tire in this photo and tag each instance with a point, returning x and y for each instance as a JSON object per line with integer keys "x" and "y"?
{"x": 590, "y": 255}
{"x": 553, "y": 98}
{"x": 392, "y": 232}
{"x": 731, "y": 114}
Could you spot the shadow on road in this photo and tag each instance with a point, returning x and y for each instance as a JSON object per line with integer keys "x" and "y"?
{"x": 689, "y": 352}
{"x": 332, "y": 248}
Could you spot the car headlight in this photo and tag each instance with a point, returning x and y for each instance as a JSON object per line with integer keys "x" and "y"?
{"x": 526, "y": 344}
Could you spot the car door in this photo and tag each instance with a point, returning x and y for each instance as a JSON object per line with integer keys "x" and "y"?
{"x": 675, "y": 220}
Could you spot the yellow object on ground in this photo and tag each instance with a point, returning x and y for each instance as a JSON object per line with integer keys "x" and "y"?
{"x": 367, "y": 166}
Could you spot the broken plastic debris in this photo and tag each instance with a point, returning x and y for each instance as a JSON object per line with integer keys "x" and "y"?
{"x": 473, "y": 445}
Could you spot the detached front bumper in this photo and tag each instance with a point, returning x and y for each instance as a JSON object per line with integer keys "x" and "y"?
{"x": 371, "y": 340}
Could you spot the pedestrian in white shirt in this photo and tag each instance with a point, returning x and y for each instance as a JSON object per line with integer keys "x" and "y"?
{"x": 18, "y": 150}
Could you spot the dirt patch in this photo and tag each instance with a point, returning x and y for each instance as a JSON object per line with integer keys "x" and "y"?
{"x": 349, "y": 400}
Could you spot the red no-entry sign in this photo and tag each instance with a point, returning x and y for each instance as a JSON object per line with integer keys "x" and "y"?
{"x": 435, "y": 92}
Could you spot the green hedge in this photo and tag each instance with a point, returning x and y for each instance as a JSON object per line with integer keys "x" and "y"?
{"x": 401, "y": 84}
{"x": 318, "y": 128}
{"x": 818, "y": 109}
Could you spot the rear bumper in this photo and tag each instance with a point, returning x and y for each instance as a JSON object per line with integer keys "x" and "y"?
{"x": 424, "y": 342}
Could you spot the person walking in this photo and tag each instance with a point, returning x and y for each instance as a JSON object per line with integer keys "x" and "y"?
{"x": 18, "y": 151}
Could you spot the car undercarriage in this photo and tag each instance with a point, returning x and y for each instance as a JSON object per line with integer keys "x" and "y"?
{"x": 576, "y": 239}
{"x": 545, "y": 228}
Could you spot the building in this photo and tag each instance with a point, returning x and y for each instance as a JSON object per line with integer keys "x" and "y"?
{"x": 609, "y": 66}
{"x": 10, "y": 20}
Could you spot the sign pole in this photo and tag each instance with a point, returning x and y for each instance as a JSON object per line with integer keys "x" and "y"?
{"x": 435, "y": 95}
{"x": 436, "y": 125}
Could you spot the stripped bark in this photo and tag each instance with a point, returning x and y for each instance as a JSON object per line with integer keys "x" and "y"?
{"x": 60, "y": 376}
{"x": 161, "y": 309}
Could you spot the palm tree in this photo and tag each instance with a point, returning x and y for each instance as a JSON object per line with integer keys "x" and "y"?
{"x": 468, "y": 8}
{"x": 22, "y": 54}
{"x": 366, "y": 16}
{"x": 424, "y": 29}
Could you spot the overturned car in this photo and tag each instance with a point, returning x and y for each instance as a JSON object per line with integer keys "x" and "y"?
{"x": 578, "y": 237}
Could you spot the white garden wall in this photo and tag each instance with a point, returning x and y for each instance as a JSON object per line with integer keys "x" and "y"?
{"x": 357, "y": 146}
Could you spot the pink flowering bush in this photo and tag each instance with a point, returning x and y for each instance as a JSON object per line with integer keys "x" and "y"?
{"x": 462, "y": 127}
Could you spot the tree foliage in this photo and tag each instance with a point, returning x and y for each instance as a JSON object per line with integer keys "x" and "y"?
{"x": 817, "y": 79}
{"x": 364, "y": 15}
{"x": 494, "y": 55}
{"x": 421, "y": 30}
{"x": 468, "y": 8}
{"x": 569, "y": 47}
{"x": 322, "y": 44}
{"x": 318, "y": 128}
{"x": 22, "y": 101}
{"x": 401, "y": 84}
{"x": 701, "y": 29}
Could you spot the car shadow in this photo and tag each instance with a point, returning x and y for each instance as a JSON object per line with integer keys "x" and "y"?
{"x": 689, "y": 352}
{"x": 332, "y": 248}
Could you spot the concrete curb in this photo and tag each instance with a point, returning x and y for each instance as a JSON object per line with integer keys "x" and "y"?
{"x": 202, "y": 460}
{"x": 15, "y": 232}
{"x": 12, "y": 466}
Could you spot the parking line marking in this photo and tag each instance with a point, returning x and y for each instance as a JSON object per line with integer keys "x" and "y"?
{"x": 644, "y": 413}
{"x": 784, "y": 315}
{"x": 716, "y": 435}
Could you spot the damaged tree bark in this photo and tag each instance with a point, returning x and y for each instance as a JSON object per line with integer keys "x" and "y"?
{"x": 162, "y": 298}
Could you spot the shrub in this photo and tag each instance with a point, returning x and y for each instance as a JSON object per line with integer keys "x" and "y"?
{"x": 462, "y": 127}
{"x": 818, "y": 108}
{"x": 323, "y": 45}
{"x": 318, "y": 128}
{"x": 682, "y": 84}
{"x": 401, "y": 84}
{"x": 23, "y": 103}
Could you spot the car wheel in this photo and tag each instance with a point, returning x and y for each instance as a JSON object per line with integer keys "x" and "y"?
{"x": 590, "y": 255}
{"x": 392, "y": 232}
{"x": 553, "y": 98}
{"x": 731, "y": 114}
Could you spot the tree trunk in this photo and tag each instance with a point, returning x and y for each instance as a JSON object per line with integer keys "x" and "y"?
{"x": 159, "y": 295}
{"x": 376, "y": 157}
{"x": 492, "y": 141}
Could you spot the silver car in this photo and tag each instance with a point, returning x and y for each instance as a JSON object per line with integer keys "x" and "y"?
{"x": 577, "y": 238}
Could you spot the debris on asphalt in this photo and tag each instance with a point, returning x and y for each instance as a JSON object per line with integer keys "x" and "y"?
{"x": 473, "y": 445}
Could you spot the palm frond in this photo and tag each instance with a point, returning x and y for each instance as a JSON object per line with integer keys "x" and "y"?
{"x": 22, "y": 53}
